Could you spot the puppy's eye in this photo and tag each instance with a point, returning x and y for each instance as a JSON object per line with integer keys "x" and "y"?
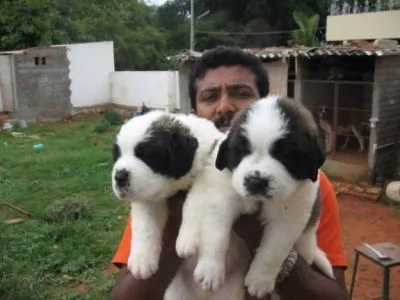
{"x": 116, "y": 152}
{"x": 242, "y": 147}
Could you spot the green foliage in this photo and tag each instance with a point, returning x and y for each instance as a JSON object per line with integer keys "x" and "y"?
{"x": 145, "y": 35}
{"x": 110, "y": 118}
{"x": 113, "y": 118}
{"x": 308, "y": 26}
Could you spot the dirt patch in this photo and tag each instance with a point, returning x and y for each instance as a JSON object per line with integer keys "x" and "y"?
{"x": 367, "y": 221}
{"x": 110, "y": 271}
{"x": 81, "y": 288}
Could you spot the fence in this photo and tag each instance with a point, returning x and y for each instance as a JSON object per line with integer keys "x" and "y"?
{"x": 343, "y": 110}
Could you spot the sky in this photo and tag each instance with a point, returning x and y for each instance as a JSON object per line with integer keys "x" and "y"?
{"x": 156, "y": 2}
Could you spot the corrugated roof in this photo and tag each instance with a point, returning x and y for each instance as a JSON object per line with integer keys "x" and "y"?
{"x": 285, "y": 52}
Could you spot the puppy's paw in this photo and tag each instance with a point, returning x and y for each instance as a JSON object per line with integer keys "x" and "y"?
{"x": 143, "y": 265}
{"x": 259, "y": 285}
{"x": 210, "y": 274}
{"x": 186, "y": 243}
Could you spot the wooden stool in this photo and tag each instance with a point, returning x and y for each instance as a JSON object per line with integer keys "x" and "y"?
{"x": 389, "y": 249}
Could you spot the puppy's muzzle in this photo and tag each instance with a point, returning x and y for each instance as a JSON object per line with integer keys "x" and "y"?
{"x": 121, "y": 178}
{"x": 256, "y": 185}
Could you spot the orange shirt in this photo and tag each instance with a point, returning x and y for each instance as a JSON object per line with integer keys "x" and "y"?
{"x": 329, "y": 234}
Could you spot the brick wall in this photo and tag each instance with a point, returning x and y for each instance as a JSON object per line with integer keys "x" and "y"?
{"x": 42, "y": 84}
{"x": 387, "y": 82}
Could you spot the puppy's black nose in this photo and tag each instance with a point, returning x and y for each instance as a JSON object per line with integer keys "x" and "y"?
{"x": 121, "y": 177}
{"x": 256, "y": 185}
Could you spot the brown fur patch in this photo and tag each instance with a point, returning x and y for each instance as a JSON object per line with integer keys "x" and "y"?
{"x": 301, "y": 113}
{"x": 170, "y": 124}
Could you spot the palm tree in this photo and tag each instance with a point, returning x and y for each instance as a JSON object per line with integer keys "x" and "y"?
{"x": 308, "y": 26}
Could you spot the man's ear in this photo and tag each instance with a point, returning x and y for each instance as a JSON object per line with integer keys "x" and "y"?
{"x": 222, "y": 157}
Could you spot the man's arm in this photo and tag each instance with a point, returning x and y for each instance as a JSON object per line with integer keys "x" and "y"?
{"x": 127, "y": 287}
{"x": 304, "y": 282}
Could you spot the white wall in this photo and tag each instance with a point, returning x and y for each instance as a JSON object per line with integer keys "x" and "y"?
{"x": 90, "y": 67}
{"x": 277, "y": 76}
{"x": 372, "y": 25}
{"x": 157, "y": 89}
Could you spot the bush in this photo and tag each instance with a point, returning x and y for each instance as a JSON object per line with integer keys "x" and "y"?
{"x": 113, "y": 118}
{"x": 68, "y": 209}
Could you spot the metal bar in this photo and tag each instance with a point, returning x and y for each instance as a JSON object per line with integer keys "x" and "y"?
{"x": 335, "y": 114}
{"x": 353, "y": 277}
{"x": 386, "y": 283}
{"x": 192, "y": 25}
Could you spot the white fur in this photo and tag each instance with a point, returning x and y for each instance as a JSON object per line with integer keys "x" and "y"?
{"x": 286, "y": 212}
{"x": 148, "y": 190}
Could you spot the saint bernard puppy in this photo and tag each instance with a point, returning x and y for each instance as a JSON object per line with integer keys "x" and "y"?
{"x": 156, "y": 155}
{"x": 269, "y": 160}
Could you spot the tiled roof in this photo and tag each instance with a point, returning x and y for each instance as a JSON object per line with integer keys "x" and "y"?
{"x": 284, "y": 52}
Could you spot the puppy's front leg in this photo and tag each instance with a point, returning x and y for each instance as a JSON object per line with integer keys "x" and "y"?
{"x": 278, "y": 239}
{"x": 189, "y": 232}
{"x": 223, "y": 207}
{"x": 148, "y": 222}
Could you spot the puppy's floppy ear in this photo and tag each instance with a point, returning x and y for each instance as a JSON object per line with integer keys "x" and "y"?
{"x": 222, "y": 157}
{"x": 301, "y": 154}
{"x": 183, "y": 149}
{"x": 317, "y": 156}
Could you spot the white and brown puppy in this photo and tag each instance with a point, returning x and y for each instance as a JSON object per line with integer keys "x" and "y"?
{"x": 271, "y": 158}
{"x": 156, "y": 155}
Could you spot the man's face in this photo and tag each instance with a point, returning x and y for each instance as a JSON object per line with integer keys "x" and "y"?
{"x": 223, "y": 92}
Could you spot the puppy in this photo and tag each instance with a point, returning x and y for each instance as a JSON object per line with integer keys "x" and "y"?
{"x": 156, "y": 155}
{"x": 269, "y": 160}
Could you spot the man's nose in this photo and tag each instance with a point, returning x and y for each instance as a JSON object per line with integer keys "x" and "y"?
{"x": 225, "y": 104}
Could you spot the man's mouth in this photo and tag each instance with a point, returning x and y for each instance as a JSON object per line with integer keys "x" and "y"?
{"x": 223, "y": 122}
{"x": 224, "y": 128}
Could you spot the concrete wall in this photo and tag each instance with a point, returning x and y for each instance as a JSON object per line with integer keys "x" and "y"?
{"x": 157, "y": 89}
{"x": 89, "y": 70}
{"x": 42, "y": 83}
{"x": 373, "y": 25}
{"x": 6, "y": 83}
{"x": 387, "y": 110}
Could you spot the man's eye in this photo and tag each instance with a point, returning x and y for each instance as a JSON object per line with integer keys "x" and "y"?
{"x": 209, "y": 98}
{"x": 242, "y": 94}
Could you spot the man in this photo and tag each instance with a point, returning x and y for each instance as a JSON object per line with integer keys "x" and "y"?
{"x": 222, "y": 83}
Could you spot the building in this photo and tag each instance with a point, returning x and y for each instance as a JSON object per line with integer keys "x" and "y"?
{"x": 51, "y": 82}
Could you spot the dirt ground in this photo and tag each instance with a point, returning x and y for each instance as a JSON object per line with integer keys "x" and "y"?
{"x": 367, "y": 221}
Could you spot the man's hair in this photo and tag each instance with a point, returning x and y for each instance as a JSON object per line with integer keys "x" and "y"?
{"x": 227, "y": 56}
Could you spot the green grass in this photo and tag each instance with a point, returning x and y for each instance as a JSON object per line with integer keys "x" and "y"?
{"x": 65, "y": 248}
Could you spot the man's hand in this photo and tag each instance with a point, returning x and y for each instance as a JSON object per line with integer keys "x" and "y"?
{"x": 304, "y": 282}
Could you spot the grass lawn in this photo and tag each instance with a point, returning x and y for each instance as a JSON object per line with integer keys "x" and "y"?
{"x": 45, "y": 257}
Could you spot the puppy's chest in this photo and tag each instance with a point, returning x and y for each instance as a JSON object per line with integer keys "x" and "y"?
{"x": 271, "y": 210}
